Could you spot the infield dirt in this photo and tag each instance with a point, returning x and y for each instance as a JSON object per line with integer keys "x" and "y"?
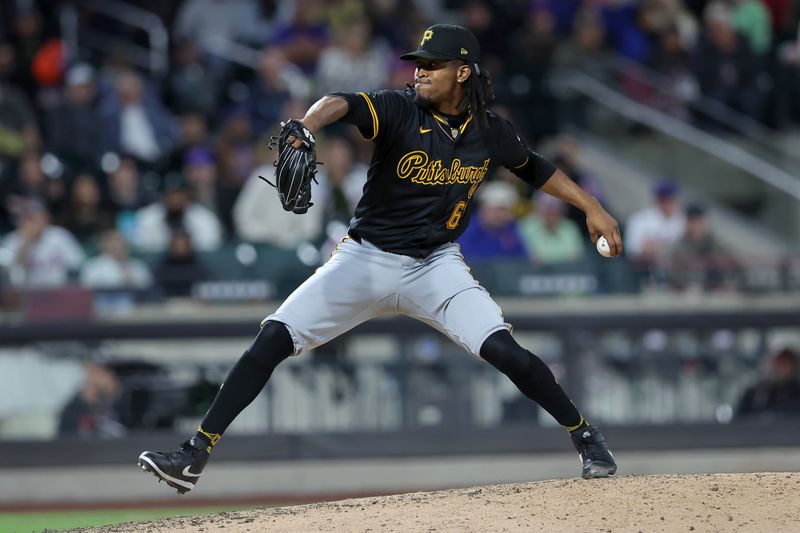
{"x": 764, "y": 503}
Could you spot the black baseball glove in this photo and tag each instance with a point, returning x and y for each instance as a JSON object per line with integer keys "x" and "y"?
{"x": 295, "y": 167}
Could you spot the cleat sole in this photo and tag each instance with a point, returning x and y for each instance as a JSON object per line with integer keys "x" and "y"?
{"x": 599, "y": 471}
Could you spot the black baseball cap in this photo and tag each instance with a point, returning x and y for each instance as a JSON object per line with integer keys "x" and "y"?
{"x": 446, "y": 42}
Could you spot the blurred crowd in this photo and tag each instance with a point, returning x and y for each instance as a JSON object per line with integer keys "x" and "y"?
{"x": 103, "y": 163}
{"x": 777, "y": 393}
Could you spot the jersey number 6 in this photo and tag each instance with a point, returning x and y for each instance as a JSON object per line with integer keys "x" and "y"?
{"x": 455, "y": 218}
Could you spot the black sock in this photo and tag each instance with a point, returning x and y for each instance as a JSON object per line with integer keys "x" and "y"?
{"x": 248, "y": 376}
{"x": 532, "y": 377}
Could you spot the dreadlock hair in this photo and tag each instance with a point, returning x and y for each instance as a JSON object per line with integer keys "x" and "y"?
{"x": 478, "y": 93}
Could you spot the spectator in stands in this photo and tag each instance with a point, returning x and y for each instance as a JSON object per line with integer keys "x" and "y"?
{"x": 297, "y": 30}
{"x": 530, "y": 95}
{"x": 235, "y": 148}
{"x": 777, "y": 394}
{"x": 180, "y": 268}
{"x": 200, "y": 171}
{"x": 678, "y": 88}
{"x": 785, "y": 18}
{"x": 651, "y": 232}
{"x": 236, "y": 159}
{"x": 353, "y": 62}
{"x": 8, "y": 61}
{"x": 193, "y": 134}
{"x": 75, "y": 127}
{"x": 208, "y": 23}
{"x": 259, "y": 217}
{"x": 305, "y": 37}
{"x": 395, "y": 20}
{"x": 626, "y": 31}
{"x": 585, "y": 52}
{"x": 45, "y": 255}
{"x": 653, "y": 19}
{"x": 586, "y": 45}
{"x": 683, "y": 21}
{"x": 342, "y": 180}
{"x": 752, "y": 20}
{"x": 137, "y": 123}
{"x": 697, "y": 259}
{"x": 114, "y": 268}
{"x": 548, "y": 235}
{"x": 28, "y": 37}
{"x": 91, "y": 412}
{"x": 489, "y": 27}
{"x": 86, "y": 214}
{"x": 19, "y": 131}
{"x": 176, "y": 210}
{"x": 567, "y": 158}
{"x": 192, "y": 87}
{"x": 265, "y": 18}
{"x": 493, "y": 233}
{"x": 127, "y": 195}
{"x": 786, "y": 105}
{"x": 725, "y": 66}
{"x": 31, "y": 182}
{"x": 668, "y": 33}
{"x": 278, "y": 81}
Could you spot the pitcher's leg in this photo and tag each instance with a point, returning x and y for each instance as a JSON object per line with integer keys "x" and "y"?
{"x": 472, "y": 319}
{"x": 247, "y": 378}
{"x": 531, "y": 376}
{"x": 328, "y": 303}
{"x": 181, "y": 469}
{"x": 442, "y": 293}
{"x": 355, "y": 285}
{"x": 350, "y": 288}
{"x": 535, "y": 380}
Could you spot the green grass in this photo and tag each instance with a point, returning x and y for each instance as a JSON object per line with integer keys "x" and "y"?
{"x": 59, "y": 520}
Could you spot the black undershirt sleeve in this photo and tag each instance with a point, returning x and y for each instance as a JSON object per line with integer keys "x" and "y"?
{"x": 515, "y": 155}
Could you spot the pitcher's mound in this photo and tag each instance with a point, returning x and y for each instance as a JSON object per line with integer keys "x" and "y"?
{"x": 719, "y": 502}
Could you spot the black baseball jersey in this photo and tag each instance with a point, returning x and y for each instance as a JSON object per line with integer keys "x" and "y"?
{"x": 426, "y": 168}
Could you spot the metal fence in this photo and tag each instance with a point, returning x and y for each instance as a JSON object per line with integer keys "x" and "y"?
{"x": 624, "y": 367}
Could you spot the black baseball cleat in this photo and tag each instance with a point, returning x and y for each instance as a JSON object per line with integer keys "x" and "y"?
{"x": 180, "y": 469}
{"x": 593, "y": 452}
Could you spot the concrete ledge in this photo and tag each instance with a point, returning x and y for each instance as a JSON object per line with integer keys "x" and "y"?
{"x": 445, "y": 442}
{"x": 310, "y": 480}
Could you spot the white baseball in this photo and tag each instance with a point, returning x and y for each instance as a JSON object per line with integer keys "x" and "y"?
{"x": 602, "y": 247}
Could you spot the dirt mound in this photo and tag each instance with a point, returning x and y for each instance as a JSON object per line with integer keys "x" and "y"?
{"x": 717, "y": 502}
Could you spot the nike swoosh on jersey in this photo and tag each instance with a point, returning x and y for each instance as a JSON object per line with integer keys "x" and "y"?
{"x": 423, "y": 130}
{"x": 189, "y": 474}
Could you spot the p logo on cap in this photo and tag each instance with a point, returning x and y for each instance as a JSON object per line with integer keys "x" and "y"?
{"x": 464, "y": 52}
{"x": 427, "y": 36}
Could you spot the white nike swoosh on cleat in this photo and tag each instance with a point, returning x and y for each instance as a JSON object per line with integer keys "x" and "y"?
{"x": 186, "y": 484}
{"x": 189, "y": 474}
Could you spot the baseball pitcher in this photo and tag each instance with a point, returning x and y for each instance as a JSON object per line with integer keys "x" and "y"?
{"x": 434, "y": 144}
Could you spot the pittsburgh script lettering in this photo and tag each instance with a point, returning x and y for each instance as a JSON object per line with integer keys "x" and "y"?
{"x": 418, "y": 167}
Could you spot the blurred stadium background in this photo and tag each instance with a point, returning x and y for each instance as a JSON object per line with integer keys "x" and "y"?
{"x": 139, "y": 250}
